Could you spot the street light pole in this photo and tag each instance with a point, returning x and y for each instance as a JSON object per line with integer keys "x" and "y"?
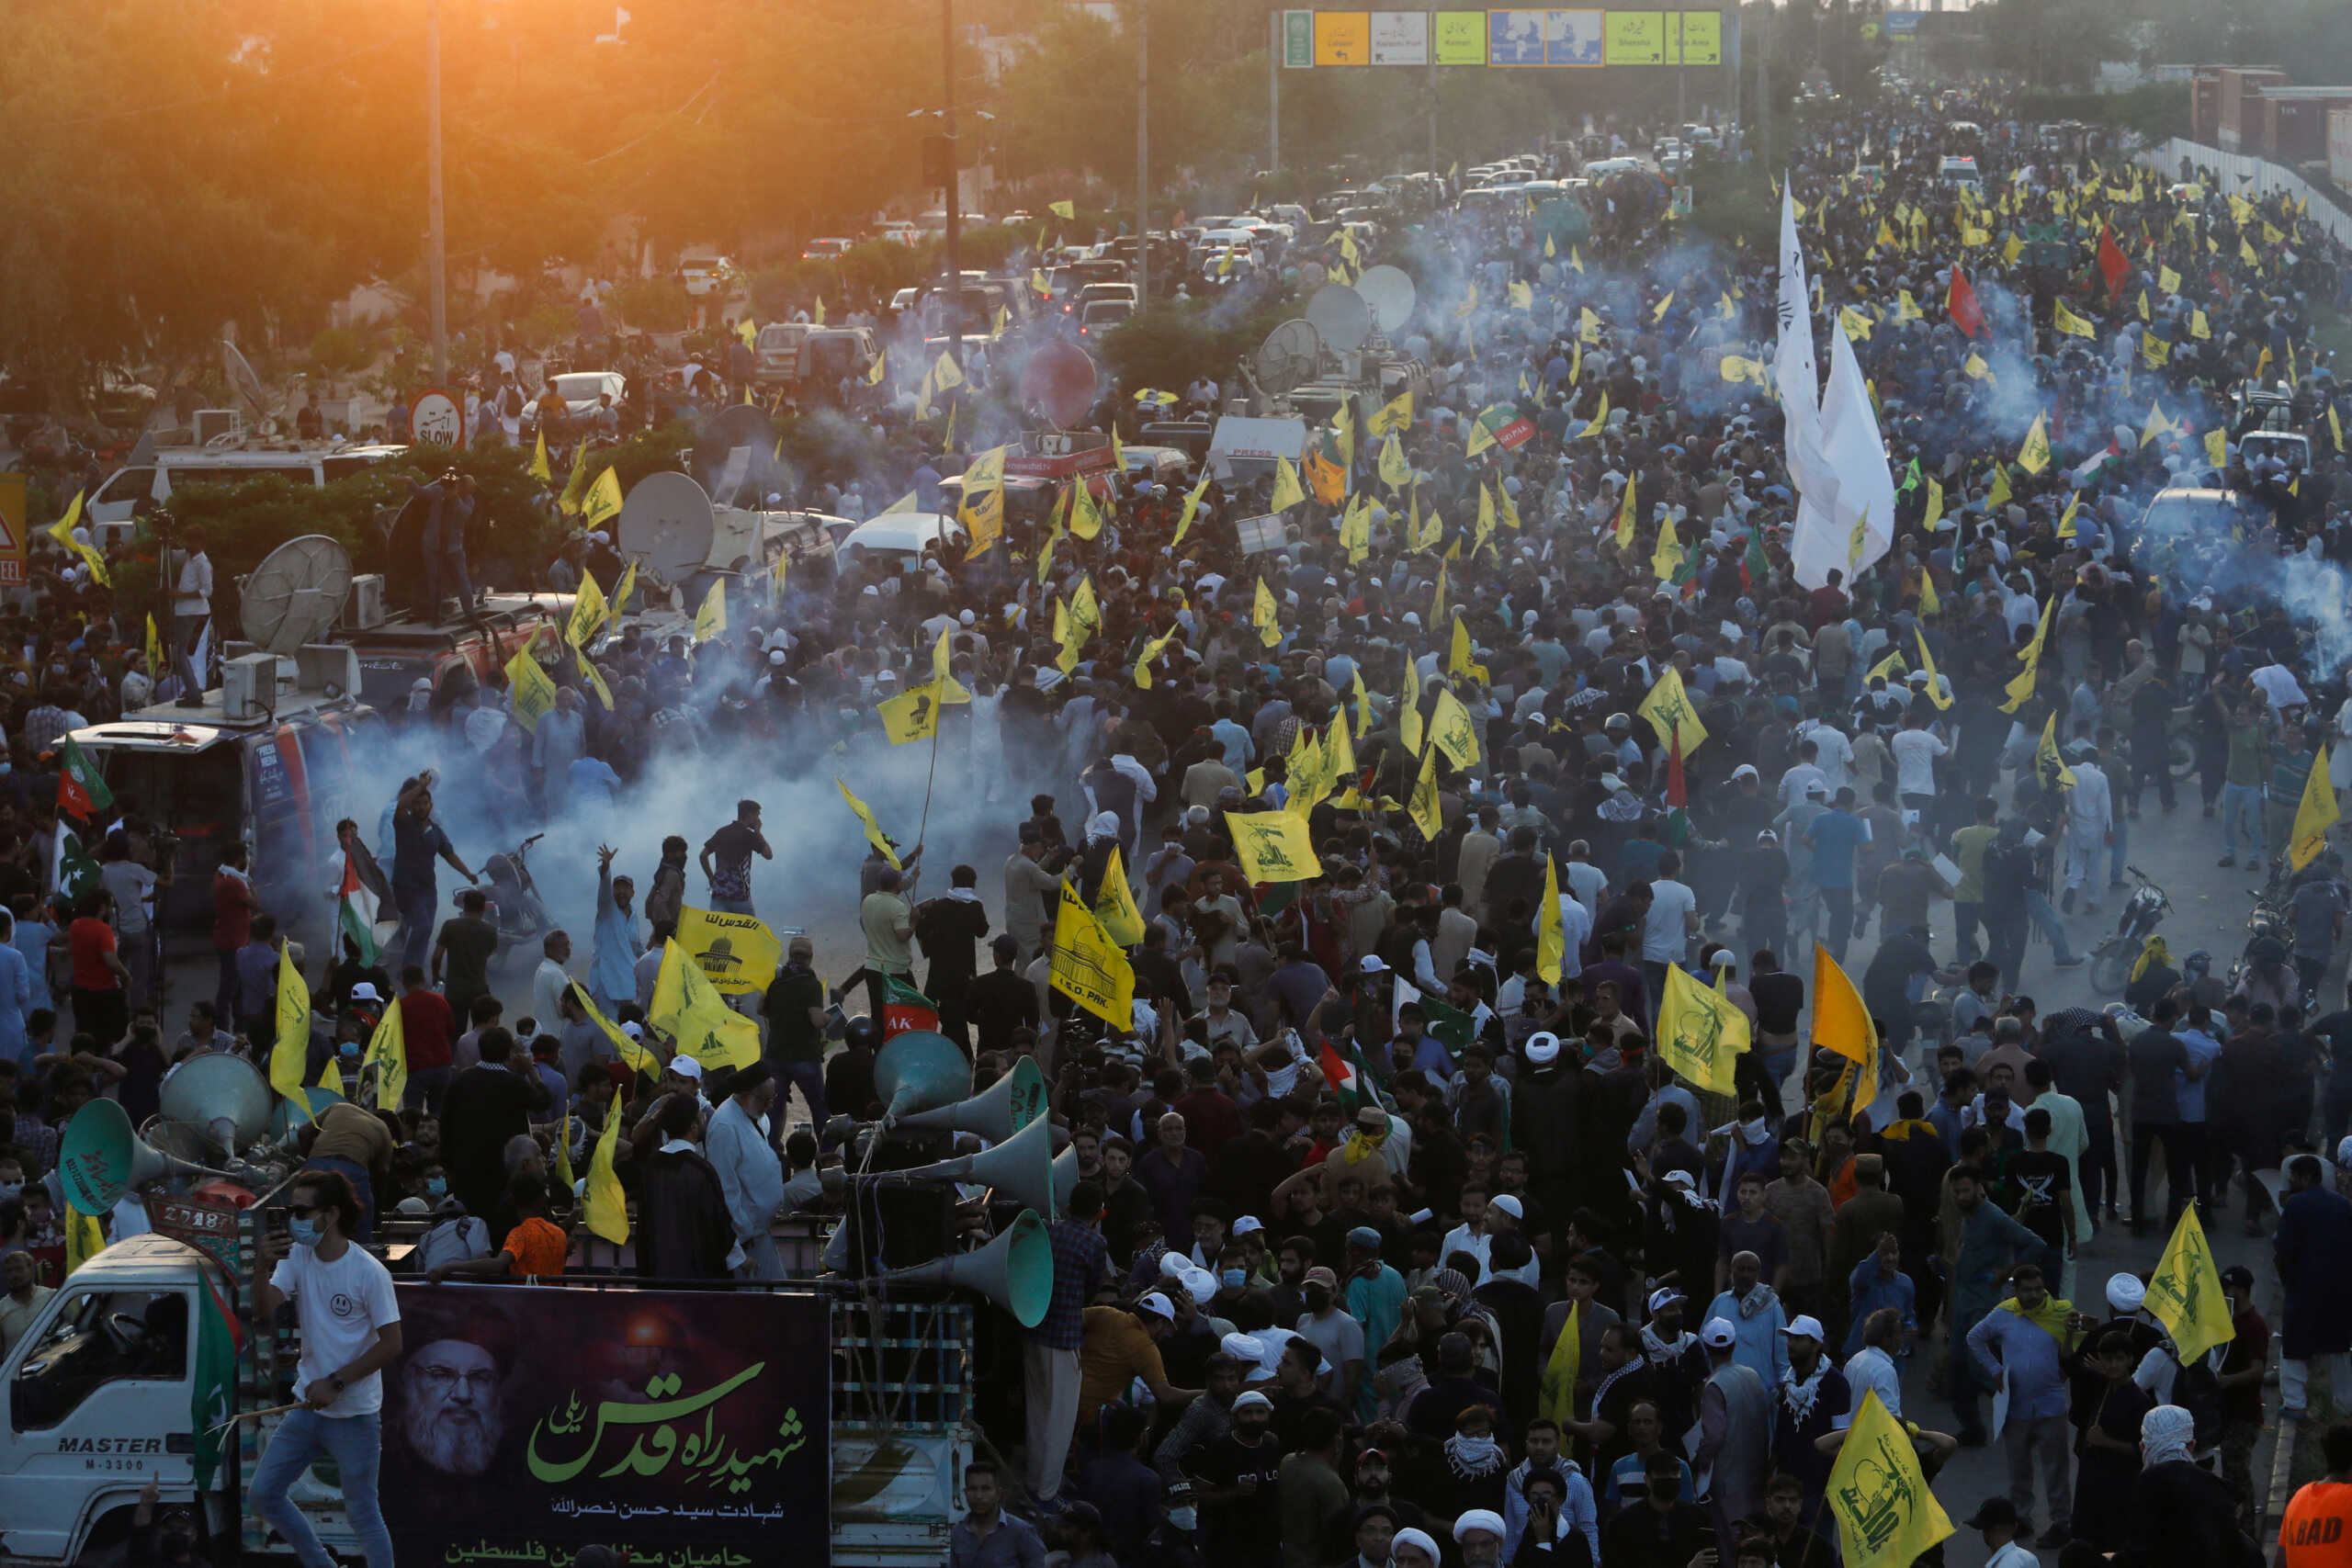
{"x": 955, "y": 188}
{"x": 436, "y": 261}
{"x": 1143, "y": 152}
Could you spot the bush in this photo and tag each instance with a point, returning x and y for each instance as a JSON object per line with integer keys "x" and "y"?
{"x": 1170, "y": 342}
{"x": 339, "y": 351}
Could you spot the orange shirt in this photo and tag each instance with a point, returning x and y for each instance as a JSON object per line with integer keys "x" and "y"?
{"x": 539, "y": 1247}
{"x": 2314, "y": 1534}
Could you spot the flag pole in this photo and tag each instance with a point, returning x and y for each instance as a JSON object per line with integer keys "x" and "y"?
{"x": 930, "y": 776}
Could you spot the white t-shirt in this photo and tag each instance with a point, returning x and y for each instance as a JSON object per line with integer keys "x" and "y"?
{"x": 1916, "y": 751}
{"x": 1667, "y": 935}
{"x": 341, "y": 1305}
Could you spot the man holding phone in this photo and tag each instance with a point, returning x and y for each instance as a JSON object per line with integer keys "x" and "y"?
{"x": 351, "y": 1331}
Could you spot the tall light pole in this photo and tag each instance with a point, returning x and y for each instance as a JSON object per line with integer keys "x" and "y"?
{"x": 1143, "y": 152}
{"x": 955, "y": 188}
{"x": 435, "y": 260}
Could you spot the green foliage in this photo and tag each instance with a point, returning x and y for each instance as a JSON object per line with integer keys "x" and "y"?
{"x": 1170, "y": 342}
{"x": 658, "y": 450}
{"x": 1733, "y": 204}
{"x": 339, "y": 351}
{"x": 654, "y": 304}
{"x": 547, "y": 326}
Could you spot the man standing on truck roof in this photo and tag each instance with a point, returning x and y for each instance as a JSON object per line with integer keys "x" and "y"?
{"x": 351, "y": 1331}
{"x": 192, "y": 597}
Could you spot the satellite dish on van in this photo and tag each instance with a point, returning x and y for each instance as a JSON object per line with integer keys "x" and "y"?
{"x": 1061, "y": 382}
{"x": 296, "y": 593}
{"x": 1339, "y": 314}
{"x": 1289, "y": 357}
{"x": 666, "y": 523}
{"x": 1389, "y": 293}
{"x": 735, "y": 448}
{"x": 241, "y": 376}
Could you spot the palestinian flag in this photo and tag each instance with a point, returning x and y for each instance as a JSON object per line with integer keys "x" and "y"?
{"x": 356, "y": 910}
{"x": 1349, "y": 1075}
{"x": 80, "y": 789}
{"x": 72, "y": 872}
{"x": 904, "y": 1007}
{"x": 213, "y": 1395}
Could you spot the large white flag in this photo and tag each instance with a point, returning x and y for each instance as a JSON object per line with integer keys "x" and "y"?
{"x": 1863, "y": 491}
{"x": 1793, "y": 363}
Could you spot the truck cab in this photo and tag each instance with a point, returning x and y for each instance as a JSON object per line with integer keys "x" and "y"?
{"x": 100, "y": 1398}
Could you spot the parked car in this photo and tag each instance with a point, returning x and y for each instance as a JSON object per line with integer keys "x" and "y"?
{"x": 827, "y": 249}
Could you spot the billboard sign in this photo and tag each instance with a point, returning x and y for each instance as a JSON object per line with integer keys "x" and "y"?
{"x": 1298, "y": 40}
{"x": 1902, "y": 23}
{"x": 540, "y": 1421}
{"x": 1695, "y": 37}
{"x": 1400, "y": 37}
{"x": 1574, "y": 38}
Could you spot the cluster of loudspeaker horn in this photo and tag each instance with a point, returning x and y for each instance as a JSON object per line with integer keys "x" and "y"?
{"x": 925, "y": 1081}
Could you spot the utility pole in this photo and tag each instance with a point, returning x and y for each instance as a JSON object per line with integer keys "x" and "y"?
{"x": 1764, "y": 91}
{"x": 1274, "y": 92}
{"x": 435, "y": 260}
{"x": 1143, "y": 152}
{"x": 1432, "y": 39}
{"x": 955, "y": 188}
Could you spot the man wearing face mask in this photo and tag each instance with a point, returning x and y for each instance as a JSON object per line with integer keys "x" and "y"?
{"x": 1333, "y": 1332}
{"x": 355, "y": 1141}
{"x": 736, "y": 1142}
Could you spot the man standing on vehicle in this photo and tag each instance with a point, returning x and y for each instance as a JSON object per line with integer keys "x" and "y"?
{"x": 727, "y": 860}
{"x": 192, "y": 600}
{"x": 351, "y": 1331}
{"x": 416, "y": 839}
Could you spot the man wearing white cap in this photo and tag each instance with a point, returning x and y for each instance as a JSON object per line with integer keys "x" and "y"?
{"x": 1812, "y": 1402}
{"x": 1479, "y": 1533}
{"x": 1735, "y": 1429}
{"x": 1237, "y": 1487}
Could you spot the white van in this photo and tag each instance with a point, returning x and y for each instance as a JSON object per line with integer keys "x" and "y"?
{"x": 895, "y": 540}
{"x": 167, "y": 467}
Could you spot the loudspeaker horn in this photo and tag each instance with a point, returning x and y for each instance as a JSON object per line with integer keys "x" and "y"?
{"x": 996, "y": 1113}
{"x": 1065, "y": 1177}
{"x": 102, "y": 1158}
{"x": 917, "y": 1070}
{"x": 1015, "y": 1271}
{"x": 1023, "y": 1164}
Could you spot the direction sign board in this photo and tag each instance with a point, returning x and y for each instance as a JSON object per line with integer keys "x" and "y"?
{"x": 1636, "y": 37}
{"x": 1696, "y": 38}
{"x": 1400, "y": 37}
{"x": 1343, "y": 38}
{"x": 1574, "y": 38}
{"x": 1515, "y": 38}
{"x": 1902, "y": 23}
{"x": 1461, "y": 38}
{"x": 1298, "y": 40}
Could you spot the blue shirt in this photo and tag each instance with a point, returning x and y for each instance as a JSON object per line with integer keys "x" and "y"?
{"x": 31, "y": 943}
{"x": 2201, "y": 1048}
{"x": 1015, "y": 1543}
{"x": 1236, "y": 741}
{"x": 1869, "y": 1293}
{"x": 593, "y": 782}
{"x": 2006, "y": 1342}
{"x": 1836, "y": 835}
{"x": 1762, "y": 1348}
{"x": 612, "y": 971}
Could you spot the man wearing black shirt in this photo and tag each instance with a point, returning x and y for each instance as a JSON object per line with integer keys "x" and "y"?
{"x": 947, "y": 927}
{"x": 1660, "y": 1531}
{"x": 2335, "y": 1031}
{"x": 2044, "y": 1184}
{"x": 487, "y": 1104}
{"x": 1235, "y": 1489}
{"x": 796, "y": 1015}
{"x": 2157, "y": 1055}
{"x": 1001, "y": 1001}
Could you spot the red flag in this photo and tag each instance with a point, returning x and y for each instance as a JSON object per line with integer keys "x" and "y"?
{"x": 1676, "y": 794}
{"x": 1960, "y": 304}
{"x": 2112, "y": 265}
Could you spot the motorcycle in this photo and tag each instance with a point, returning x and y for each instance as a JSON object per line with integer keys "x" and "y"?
{"x": 2112, "y": 959}
{"x": 515, "y": 907}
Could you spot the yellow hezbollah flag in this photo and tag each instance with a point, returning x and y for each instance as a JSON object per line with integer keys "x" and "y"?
{"x": 290, "y": 1055}
{"x": 540, "y": 469}
{"x": 1422, "y": 805}
{"x": 737, "y": 953}
{"x": 1394, "y": 414}
{"x": 873, "y": 829}
{"x": 85, "y": 1238}
{"x": 2314, "y": 816}
{"x": 1551, "y": 935}
{"x": 603, "y": 502}
{"x": 2047, "y": 766}
{"x": 529, "y": 693}
{"x": 1451, "y": 730}
{"x": 1287, "y": 493}
{"x": 1266, "y": 615}
{"x": 2217, "y": 447}
{"x": 711, "y": 619}
{"x": 639, "y": 1058}
{"x": 2034, "y": 456}
{"x": 387, "y": 1053}
{"x": 588, "y": 612}
{"x": 1088, "y": 966}
{"x": 1886, "y": 1515}
{"x": 1459, "y": 660}
{"x": 2020, "y": 685}
{"x": 1668, "y": 707}
{"x": 604, "y": 1207}
{"x": 2068, "y": 322}
{"x": 2184, "y": 1292}
{"x": 1700, "y": 1032}
{"x": 1408, "y": 716}
{"x": 1842, "y": 1023}
{"x": 1668, "y": 556}
{"x": 1114, "y": 904}
{"x": 688, "y": 1008}
{"x": 1625, "y": 516}
{"x": 1273, "y": 846}
{"x": 1928, "y": 660}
